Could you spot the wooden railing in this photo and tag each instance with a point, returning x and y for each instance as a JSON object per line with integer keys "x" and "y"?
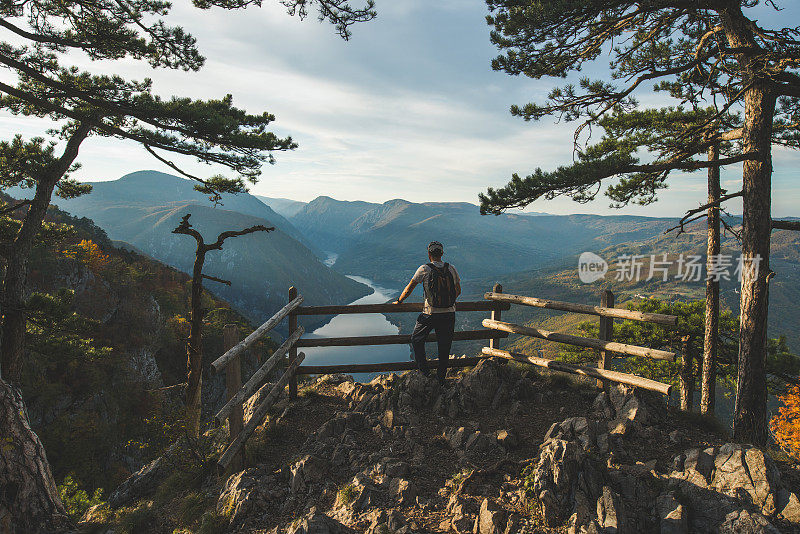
{"x": 494, "y": 329}
{"x": 238, "y": 394}
{"x": 604, "y": 344}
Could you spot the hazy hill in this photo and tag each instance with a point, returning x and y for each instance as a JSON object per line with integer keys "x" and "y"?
{"x": 143, "y": 208}
{"x": 386, "y": 242}
{"x": 153, "y": 188}
{"x": 560, "y": 281}
{"x": 326, "y": 222}
{"x": 284, "y": 206}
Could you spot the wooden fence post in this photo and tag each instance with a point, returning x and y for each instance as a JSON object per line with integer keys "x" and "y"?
{"x": 606, "y": 331}
{"x": 495, "y": 316}
{"x": 233, "y": 383}
{"x": 293, "y": 350}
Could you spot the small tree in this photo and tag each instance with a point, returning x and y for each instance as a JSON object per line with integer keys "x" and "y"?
{"x": 194, "y": 345}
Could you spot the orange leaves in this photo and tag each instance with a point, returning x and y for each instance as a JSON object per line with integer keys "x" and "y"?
{"x": 786, "y": 425}
{"x": 88, "y": 253}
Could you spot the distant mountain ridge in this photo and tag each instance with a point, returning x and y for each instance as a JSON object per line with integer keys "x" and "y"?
{"x": 143, "y": 208}
{"x": 387, "y": 241}
{"x": 283, "y": 206}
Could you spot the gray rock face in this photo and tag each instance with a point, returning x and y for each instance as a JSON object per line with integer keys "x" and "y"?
{"x": 140, "y": 484}
{"x": 306, "y": 471}
{"x": 491, "y": 519}
{"x": 318, "y": 523}
{"x": 671, "y": 515}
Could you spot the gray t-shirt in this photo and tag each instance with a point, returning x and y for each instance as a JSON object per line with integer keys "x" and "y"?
{"x": 423, "y": 275}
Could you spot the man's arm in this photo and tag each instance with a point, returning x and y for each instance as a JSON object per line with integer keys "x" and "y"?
{"x": 406, "y": 292}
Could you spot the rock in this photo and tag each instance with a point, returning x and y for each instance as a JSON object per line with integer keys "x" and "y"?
{"x": 141, "y": 483}
{"x": 317, "y": 523}
{"x": 404, "y": 491}
{"x": 555, "y": 477}
{"x": 305, "y": 471}
{"x": 671, "y": 515}
{"x": 743, "y": 522}
{"x": 491, "y": 519}
{"x": 506, "y": 439}
{"x": 676, "y": 436}
{"x": 397, "y": 469}
{"x": 479, "y": 443}
{"x": 388, "y": 419}
{"x": 238, "y": 496}
{"x": 738, "y": 469}
{"x": 480, "y": 384}
{"x": 602, "y": 407}
{"x": 610, "y": 514}
{"x": 621, "y": 427}
{"x": 791, "y": 510}
{"x": 460, "y": 520}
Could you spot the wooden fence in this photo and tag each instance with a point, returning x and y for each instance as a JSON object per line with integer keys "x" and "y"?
{"x": 495, "y": 302}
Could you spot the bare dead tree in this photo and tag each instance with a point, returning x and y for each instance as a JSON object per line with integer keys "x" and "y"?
{"x": 194, "y": 348}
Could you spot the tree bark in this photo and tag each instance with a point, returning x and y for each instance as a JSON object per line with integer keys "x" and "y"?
{"x": 750, "y": 415}
{"x": 711, "y": 337}
{"x": 29, "y": 501}
{"x": 12, "y": 347}
{"x": 194, "y": 348}
{"x": 750, "y": 412}
{"x": 687, "y": 375}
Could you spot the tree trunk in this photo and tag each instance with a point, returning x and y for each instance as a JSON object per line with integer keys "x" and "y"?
{"x": 12, "y": 347}
{"x": 750, "y": 416}
{"x": 29, "y": 501}
{"x": 687, "y": 375}
{"x": 194, "y": 348}
{"x": 711, "y": 338}
{"x": 750, "y": 413}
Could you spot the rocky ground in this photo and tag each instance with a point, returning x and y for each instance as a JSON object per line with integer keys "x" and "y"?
{"x": 499, "y": 449}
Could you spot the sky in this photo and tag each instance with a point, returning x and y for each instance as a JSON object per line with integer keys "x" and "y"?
{"x": 408, "y": 108}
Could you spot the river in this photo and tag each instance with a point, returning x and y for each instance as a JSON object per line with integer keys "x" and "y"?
{"x": 359, "y": 324}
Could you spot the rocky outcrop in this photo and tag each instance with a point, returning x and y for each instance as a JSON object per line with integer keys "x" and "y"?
{"x": 588, "y": 475}
{"x": 583, "y": 475}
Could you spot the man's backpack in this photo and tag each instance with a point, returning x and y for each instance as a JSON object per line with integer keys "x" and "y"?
{"x": 441, "y": 287}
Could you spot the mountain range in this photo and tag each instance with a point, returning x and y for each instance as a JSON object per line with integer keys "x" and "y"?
{"x": 143, "y": 208}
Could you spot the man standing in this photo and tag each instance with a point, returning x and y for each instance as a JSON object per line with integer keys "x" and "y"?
{"x": 442, "y": 286}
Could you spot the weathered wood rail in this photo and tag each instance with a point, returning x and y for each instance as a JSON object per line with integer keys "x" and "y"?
{"x": 494, "y": 330}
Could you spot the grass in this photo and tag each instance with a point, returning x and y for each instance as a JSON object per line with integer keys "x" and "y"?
{"x": 191, "y": 508}
{"x": 347, "y": 494}
{"x": 137, "y": 520}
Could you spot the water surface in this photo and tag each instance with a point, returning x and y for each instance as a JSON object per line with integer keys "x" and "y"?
{"x": 359, "y": 324}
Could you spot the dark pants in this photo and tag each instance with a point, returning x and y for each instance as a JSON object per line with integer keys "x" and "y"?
{"x": 443, "y": 324}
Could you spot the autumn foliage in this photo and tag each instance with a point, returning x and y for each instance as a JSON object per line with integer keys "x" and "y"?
{"x": 89, "y": 253}
{"x": 786, "y": 425}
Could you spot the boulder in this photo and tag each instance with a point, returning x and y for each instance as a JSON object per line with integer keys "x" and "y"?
{"x": 506, "y": 439}
{"x": 317, "y": 523}
{"x": 403, "y": 491}
{"x": 610, "y": 514}
{"x": 141, "y": 483}
{"x": 491, "y": 519}
{"x": 744, "y": 522}
{"x": 306, "y": 471}
{"x": 671, "y": 515}
{"x": 480, "y": 384}
{"x": 238, "y": 496}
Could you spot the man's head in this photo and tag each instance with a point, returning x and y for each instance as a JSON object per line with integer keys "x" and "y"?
{"x": 435, "y": 251}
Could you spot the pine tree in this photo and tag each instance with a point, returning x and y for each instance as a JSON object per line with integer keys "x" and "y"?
{"x": 38, "y": 40}
{"x": 723, "y": 51}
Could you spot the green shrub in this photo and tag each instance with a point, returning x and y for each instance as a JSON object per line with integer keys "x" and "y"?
{"x": 347, "y": 494}
{"x": 76, "y": 501}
